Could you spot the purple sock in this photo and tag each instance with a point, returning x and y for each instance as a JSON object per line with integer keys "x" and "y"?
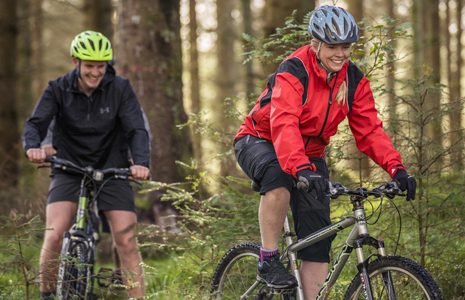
{"x": 264, "y": 253}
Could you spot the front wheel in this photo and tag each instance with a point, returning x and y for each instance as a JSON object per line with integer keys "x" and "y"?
{"x": 395, "y": 277}
{"x": 236, "y": 276}
{"x": 75, "y": 270}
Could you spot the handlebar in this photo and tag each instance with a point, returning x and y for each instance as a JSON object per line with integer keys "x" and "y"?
{"x": 96, "y": 174}
{"x": 389, "y": 189}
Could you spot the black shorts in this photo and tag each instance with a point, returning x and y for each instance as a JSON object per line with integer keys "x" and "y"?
{"x": 258, "y": 160}
{"x": 117, "y": 194}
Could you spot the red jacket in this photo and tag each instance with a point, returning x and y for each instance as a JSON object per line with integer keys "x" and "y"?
{"x": 298, "y": 113}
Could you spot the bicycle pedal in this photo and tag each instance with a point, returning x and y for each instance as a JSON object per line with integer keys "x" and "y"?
{"x": 104, "y": 277}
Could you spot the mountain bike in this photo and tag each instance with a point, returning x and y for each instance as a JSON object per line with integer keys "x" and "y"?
{"x": 379, "y": 276}
{"x": 77, "y": 259}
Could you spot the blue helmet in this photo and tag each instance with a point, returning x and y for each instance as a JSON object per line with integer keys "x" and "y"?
{"x": 333, "y": 25}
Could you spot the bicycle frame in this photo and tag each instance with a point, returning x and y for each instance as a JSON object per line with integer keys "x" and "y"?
{"x": 357, "y": 237}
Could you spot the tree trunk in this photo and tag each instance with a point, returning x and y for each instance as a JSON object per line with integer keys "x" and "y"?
{"x": 227, "y": 74}
{"x": 247, "y": 25}
{"x": 274, "y": 15}
{"x": 418, "y": 42}
{"x": 359, "y": 161}
{"x": 149, "y": 54}
{"x": 432, "y": 61}
{"x": 97, "y": 16}
{"x": 194, "y": 78}
{"x": 456, "y": 112}
{"x": 37, "y": 24}
{"x": 25, "y": 99}
{"x": 390, "y": 78}
{"x": 9, "y": 131}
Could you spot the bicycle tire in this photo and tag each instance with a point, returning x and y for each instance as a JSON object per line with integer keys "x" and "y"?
{"x": 237, "y": 272}
{"x": 75, "y": 271}
{"x": 410, "y": 281}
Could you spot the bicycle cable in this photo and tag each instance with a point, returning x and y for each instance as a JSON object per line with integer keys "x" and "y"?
{"x": 380, "y": 208}
{"x": 400, "y": 225}
{"x": 373, "y": 211}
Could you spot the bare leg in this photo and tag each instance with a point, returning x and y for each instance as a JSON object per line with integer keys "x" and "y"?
{"x": 313, "y": 275}
{"x": 271, "y": 214}
{"x": 123, "y": 225}
{"x": 58, "y": 219}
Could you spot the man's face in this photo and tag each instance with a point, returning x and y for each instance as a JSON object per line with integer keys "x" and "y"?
{"x": 333, "y": 57}
{"x": 91, "y": 73}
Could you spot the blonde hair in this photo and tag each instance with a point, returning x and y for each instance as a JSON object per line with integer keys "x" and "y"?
{"x": 341, "y": 95}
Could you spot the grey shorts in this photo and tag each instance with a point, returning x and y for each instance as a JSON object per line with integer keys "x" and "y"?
{"x": 117, "y": 194}
{"x": 258, "y": 160}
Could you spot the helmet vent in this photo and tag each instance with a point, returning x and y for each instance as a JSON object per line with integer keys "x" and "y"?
{"x": 333, "y": 25}
{"x": 91, "y": 45}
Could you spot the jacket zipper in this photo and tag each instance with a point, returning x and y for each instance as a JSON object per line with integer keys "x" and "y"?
{"x": 89, "y": 103}
{"x": 330, "y": 101}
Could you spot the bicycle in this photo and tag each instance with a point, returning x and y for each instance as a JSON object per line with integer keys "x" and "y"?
{"x": 77, "y": 259}
{"x": 379, "y": 276}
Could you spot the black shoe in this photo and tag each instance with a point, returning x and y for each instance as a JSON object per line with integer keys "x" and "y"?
{"x": 273, "y": 273}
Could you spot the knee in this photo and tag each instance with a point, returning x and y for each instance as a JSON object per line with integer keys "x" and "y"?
{"x": 53, "y": 239}
{"x": 280, "y": 193}
{"x": 125, "y": 244}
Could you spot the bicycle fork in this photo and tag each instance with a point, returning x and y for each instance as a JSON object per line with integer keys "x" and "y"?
{"x": 362, "y": 263}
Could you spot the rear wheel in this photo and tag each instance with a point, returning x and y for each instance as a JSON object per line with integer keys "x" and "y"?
{"x": 236, "y": 276}
{"x": 75, "y": 271}
{"x": 395, "y": 277}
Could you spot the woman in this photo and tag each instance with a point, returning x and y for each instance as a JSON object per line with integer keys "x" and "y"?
{"x": 283, "y": 140}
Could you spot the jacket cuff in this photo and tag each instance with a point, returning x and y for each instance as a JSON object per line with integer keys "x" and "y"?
{"x": 394, "y": 170}
{"x": 310, "y": 166}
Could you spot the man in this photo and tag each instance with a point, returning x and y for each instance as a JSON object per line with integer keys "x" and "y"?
{"x": 98, "y": 120}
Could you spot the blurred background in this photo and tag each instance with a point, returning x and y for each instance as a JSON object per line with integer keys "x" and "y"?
{"x": 197, "y": 66}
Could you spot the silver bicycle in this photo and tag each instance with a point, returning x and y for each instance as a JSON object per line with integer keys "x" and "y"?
{"x": 379, "y": 276}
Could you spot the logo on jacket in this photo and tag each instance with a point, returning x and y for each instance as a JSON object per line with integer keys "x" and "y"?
{"x": 104, "y": 110}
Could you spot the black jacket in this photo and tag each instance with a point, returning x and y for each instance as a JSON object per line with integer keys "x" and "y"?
{"x": 92, "y": 131}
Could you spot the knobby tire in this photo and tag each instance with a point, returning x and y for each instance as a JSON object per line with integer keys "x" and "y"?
{"x": 237, "y": 272}
{"x": 75, "y": 272}
{"x": 410, "y": 281}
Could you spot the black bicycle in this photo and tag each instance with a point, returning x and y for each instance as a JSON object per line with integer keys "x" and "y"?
{"x": 379, "y": 276}
{"x": 76, "y": 270}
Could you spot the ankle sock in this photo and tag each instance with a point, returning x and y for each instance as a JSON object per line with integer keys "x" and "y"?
{"x": 265, "y": 253}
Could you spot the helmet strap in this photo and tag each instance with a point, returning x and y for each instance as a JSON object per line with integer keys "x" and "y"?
{"x": 79, "y": 68}
{"x": 319, "y": 60}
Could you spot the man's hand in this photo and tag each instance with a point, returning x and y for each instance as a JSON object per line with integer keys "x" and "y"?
{"x": 49, "y": 150}
{"x": 406, "y": 182}
{"x": 309, "y": 180}
{"x": 140, "y": 172}
{"x": 36, "y": 155}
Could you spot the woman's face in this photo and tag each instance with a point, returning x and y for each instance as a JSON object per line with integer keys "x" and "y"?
{"x": 333, "y": 57}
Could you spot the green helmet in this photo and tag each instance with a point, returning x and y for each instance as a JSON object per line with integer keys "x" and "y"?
{"x": 91, "y": 45}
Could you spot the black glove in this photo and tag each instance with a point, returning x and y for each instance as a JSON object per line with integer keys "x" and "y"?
{"x": 309, "y": 180}
{"x": 406, "y": 182}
